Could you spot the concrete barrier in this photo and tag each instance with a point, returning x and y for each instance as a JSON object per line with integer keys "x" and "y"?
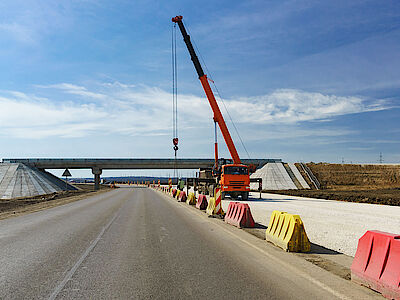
{"x": 210, "y": 210}
{"x": 377, "y": 263}
{"x": 191, "y": 199}
{"x": 287, "y": 231}
{"x": 201, "y": 202}
{"x": 239, "y": 215}
{"x": 182, "y": 196}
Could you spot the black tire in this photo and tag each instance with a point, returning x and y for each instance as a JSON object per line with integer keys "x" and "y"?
{"x": 222, "y": 195}
{"x": 245, "y": 196}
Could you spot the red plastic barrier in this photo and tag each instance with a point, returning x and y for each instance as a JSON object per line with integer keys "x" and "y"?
{"x": 239, "y": 215}
{"x": 174, "y": 192}
{"x": 377, "y": 263}
{"x": 182, "y": 197}
{"x": 202, "y": 202}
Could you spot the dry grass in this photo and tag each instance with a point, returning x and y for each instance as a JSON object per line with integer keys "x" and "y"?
{"x": 356, "y": 177}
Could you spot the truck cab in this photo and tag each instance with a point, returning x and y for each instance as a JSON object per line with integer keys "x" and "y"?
{"x": 235, "y": 181}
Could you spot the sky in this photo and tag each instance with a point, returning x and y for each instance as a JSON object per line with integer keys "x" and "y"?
{"x": 302, "y": 80}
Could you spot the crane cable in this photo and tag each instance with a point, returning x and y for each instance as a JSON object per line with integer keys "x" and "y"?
{"x": 174, "y": 96}
{"x": 218, "y": 93}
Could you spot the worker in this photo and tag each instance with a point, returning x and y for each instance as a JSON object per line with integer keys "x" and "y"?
{"x": 181, "y": 184}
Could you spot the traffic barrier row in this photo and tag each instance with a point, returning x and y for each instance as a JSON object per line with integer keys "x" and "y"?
{"x": 239, "y": 215}
{"x": 377, "y": 263}
{"x": 287, "y": 231}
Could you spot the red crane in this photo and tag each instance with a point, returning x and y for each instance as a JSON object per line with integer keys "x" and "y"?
{"x": 234, "y": 178}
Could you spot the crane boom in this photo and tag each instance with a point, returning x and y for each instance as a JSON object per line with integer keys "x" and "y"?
{"x": 207, "y": 89}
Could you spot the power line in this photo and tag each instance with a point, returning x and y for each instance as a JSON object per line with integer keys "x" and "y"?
{"x": 380, "y": 160}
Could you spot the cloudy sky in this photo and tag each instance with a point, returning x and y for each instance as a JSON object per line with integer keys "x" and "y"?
{"x": 302, "y": 80}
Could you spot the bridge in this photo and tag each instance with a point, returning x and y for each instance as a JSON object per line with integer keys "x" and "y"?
{"x": 99, "y": 164}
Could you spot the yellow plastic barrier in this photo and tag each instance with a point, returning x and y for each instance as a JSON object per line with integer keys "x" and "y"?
{"x": 211, "y": 206}
{"x": 191, "y": 199}
{"x": 177, "y": 193}
{"x": 287, "y": 231}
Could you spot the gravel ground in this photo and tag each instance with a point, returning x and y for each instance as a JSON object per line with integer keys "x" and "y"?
{"x": 333, "y": 224}
{"x": 14, "y": 207}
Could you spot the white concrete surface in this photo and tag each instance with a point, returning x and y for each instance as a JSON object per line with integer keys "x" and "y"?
{"x": 274, "y": 177}
{"x": 298, "y": 176}
{"x": 19, "y": 180}
{"x": 336, "y": 225}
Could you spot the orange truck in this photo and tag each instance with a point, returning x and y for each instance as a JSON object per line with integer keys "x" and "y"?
{"x": 233, "y": 178}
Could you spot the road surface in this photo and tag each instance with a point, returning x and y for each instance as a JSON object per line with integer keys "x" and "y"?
{"x": 137, "y": 243}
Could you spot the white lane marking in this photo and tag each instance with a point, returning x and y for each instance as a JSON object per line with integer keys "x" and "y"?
{"x": 71, "y": 272}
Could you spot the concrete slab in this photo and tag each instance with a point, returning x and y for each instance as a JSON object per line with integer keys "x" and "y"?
{"x": 274, "y": 177}
{"x": 18, "y": 180}
{"x": 300, "y": 178}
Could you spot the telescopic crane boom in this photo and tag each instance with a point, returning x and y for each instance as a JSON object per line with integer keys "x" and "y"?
{"x": 210, "y": 95}
{"x": 233, "y": 179}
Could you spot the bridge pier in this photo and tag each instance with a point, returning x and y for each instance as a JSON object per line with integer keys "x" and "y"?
{"x": 96, "y": 172}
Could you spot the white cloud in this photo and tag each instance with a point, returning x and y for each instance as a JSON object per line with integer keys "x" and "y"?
{"x": 291, "y": 106}
{"x": 74, "y": 90}
{"x": 131, "y": 110}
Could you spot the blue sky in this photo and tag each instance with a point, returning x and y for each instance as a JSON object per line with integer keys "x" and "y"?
{"x": 302, "y": 80}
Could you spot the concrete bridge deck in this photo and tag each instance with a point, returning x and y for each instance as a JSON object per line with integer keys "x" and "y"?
{"x": 126, "y": 163}
{"x": 99, "y": 164}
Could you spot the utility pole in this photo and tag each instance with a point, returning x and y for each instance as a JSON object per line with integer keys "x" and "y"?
{"x": 380, "y": 160}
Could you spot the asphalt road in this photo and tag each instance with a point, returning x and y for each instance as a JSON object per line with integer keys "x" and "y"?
{"x": 136, "y": 243}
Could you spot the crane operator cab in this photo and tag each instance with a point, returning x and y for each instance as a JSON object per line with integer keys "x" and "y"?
{"x": 235, "y": 181}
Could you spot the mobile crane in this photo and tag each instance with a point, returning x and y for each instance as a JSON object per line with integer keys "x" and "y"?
{"x": 233, "y": 178}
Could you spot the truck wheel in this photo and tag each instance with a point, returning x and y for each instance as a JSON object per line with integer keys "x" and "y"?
{"x": 245, "y": 196}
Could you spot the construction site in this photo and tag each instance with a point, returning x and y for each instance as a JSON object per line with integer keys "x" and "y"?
{"x": 374, "y": 183}
{"x": 259, "y": 227}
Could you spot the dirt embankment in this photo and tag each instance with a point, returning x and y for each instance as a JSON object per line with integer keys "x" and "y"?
{"x": 19, "y": 206}
{"x": 356, "y": 177}
{"x": 377, "y": 184}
